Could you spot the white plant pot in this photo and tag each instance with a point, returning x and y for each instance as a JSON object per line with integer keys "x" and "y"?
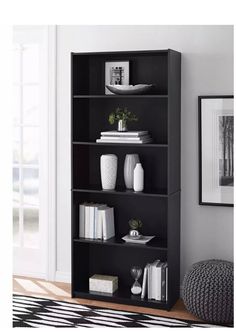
{"x": 108, "y": 168}
{"x": 130, "y": 162}
{"x": 138, "y": 177}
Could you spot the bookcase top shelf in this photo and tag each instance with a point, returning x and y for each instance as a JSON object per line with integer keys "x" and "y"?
{"x": 140, "y": 52}
{"x": 153, "y": 244}
{"x": 120, "y": 96}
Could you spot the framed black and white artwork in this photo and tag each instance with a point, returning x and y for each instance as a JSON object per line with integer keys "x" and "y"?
{"x": 216, "y": 150}
{"x": 116, "y": 72}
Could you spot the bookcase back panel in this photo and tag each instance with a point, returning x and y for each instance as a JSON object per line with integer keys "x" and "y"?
{"x": 118, "y": 261}
{"x": 89, "y": 72}
{"x": 152, "y": 212}
{"x": 91, "y": 117}
{"x": 86, "y": 168}
{"x": 90, "y": 259}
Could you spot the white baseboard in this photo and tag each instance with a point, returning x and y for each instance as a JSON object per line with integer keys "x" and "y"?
{"x": 63, "y": 277}
{"x": 26, "y": 274}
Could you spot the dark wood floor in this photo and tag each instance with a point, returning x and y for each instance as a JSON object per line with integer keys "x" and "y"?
{"x": 61, "y": 291}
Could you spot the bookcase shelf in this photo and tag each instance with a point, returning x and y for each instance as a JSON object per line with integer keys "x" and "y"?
{"x": 147, "y": 145}
{"x": 158, "y": 206}
{"x": 122, "y": 191}
{"x": 153, "y": 244}
{"x": 119, "y": 96}
{"x": 123, "y": 296}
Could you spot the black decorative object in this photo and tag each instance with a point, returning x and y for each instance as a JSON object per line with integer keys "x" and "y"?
{"x": 158, "y": 205}
{"x": 208, "y": 291}
{"x": 216, "y": 145}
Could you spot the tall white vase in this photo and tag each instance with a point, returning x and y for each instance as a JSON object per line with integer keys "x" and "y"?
{"x": 108, "y": 168}
{"x": 138, "y": 178}
{"x": 130, "y": 162}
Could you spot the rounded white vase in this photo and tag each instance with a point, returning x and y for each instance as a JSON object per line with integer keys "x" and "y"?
{"x": 130, "y": 162}
{"x": 108, "y": 168}
{"x": 138, "y": 177}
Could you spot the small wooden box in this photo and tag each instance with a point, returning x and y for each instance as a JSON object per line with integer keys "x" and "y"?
{"x": 103, "y": 283}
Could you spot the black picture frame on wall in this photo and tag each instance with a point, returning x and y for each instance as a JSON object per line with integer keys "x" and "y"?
{"x": 216, "y": 158}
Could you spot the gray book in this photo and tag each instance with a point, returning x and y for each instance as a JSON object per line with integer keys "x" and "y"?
{"x": 82, "y": 220}
{"x": 144, "y": 286}
{"x": 163, "y": 281}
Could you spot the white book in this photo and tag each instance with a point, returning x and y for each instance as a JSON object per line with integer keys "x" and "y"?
{"x": 82, "y": 220}
{"x": 91, "y": 221}
{"x": 99, "y": 140}
{"x": 97, "y": 227}
{"x": 87, "y": 221}
{"x": 108, "y": 227}
{"x": 158, "y": 281}
{"x": 128, "y": 138}
{"x": 167, "y": 283}
{"x": 149, "y": 283}
{"x": 154, "y": 278}
{"x": 144, "y": 286}
{"x": 124, "y": 133}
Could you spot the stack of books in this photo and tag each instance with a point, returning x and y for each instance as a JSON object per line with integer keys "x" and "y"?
{"x": 155, "y": 281}
{"x": 136, "y": 137}
{"x": 96, "y": 221}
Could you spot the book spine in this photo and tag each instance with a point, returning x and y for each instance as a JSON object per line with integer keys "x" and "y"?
{"x": 82, "y": 220}
{"x": 99, "y": 225}
{"x": 154, "y": 282}
{"x": 158, "y": 281}
{"x": 167, "y": 283}
{"x": 99, "y": 140}
{"x": 95, "y": 221}
{"x": 163, "y": 282}
{"x": 124, "y": 134}
{"x": 144, "y": 286}
{"x": 149, "y": 282}
{"x": 91, "y": 222}
{"x": 108, "y": 224}
{"x": 128, "y": 138}
{"x": 87, "y": 219}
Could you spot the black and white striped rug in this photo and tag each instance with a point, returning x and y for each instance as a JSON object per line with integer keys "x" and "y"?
{"x": 38, "y": 312}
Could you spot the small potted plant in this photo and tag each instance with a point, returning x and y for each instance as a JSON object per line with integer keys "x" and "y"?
{"x": 135, "y": 225}
{"x": 122, "y": 116}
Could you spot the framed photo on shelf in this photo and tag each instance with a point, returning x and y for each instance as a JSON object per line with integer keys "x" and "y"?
{"x": 216, "y": 150}
{"x": 116, "y": 72}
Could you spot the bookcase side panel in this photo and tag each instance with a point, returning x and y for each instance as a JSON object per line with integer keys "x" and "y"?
{"x": 174, "y": 121}
{"x": 173, "y": 244}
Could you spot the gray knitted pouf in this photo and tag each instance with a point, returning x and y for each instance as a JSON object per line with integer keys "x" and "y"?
{"x": 208, "y": 291}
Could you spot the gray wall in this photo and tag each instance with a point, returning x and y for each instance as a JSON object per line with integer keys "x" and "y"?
{"x": 207, "y": 68}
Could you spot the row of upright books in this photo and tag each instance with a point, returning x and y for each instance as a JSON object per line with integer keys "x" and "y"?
{"x": 136, "y": 137}
{"x": 155, "y": 281}
{"x": 96, "y": 221}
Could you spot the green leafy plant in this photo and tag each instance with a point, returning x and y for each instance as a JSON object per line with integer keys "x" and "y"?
{"x": 135, "y": 224}
{"x": 121, "y": 114}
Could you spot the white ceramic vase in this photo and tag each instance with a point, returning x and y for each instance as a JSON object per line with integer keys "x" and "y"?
{"x": 138, "y": 177}
{"x": 130, "y": 162}
{"x": 108, "y": 168}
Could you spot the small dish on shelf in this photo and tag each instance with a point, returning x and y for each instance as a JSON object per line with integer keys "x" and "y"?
{"x": 141, "y": 240}
{"x": 130, "y": 89}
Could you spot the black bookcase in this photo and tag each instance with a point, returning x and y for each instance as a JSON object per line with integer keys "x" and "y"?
{"x": 158, "y": 206}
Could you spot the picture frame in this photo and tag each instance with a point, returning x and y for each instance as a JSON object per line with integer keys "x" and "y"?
{"x": 116, "y": 72}
{"x": 216, "y": 144}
